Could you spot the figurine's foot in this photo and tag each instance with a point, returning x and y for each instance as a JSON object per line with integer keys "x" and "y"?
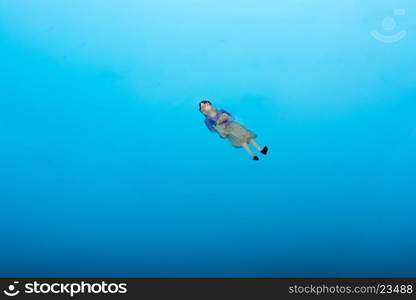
{"x": 264, "y": 150}
{"x": 255, "y": 157}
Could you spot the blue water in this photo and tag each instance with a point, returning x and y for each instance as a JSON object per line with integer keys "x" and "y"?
{"x": 107, "y": 169}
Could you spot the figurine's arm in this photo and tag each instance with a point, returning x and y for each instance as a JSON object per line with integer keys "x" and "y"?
{"x": 210, "y": 124}
{"x": 225, "y": 117}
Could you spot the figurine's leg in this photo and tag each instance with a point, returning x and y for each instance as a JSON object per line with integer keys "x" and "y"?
{"x": 262, "y": 150}
{"x": 247, "y": 148}
{"x": 253, "y": 142}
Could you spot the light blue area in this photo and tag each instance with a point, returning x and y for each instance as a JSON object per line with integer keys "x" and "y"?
{"x": 107, "y": 169}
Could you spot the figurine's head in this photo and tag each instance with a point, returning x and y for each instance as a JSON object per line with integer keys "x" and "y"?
{"x": 205, "y": 107}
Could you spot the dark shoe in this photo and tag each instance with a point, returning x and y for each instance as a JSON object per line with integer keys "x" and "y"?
{"x": 255, "y": 158}
{"x": 264, "y": 150}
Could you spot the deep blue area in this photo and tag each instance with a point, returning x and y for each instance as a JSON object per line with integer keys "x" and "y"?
{"x": 107, "y": 169}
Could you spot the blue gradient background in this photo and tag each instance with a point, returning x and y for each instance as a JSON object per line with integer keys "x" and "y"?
{"x": 106, "y": 167}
